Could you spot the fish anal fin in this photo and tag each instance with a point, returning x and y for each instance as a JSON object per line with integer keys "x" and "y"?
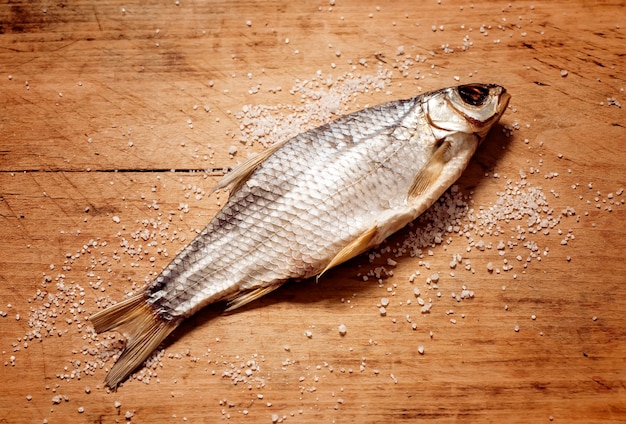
{"x": 143, "y": 328}
{"x": 234, "y": 179}
{"x": 429, "y": 173}
{"x": 359, "y": 245}
{"x": 246, "y": 297}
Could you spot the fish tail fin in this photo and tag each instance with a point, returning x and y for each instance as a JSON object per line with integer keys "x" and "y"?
{"x": 143, "y": 328}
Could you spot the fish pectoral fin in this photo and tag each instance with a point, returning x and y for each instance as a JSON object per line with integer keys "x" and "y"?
{"x": 235, "y": 178}
{"x": 143, "y": 328}
{"x": 246, "y": 297}
{"x": 359, "y": 245}
{"x": 429, "y": 173}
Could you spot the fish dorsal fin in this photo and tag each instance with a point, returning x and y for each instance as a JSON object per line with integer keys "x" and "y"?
{"x": 235, "y": 178}
{"x": 246, "y": 297}
{"x": 430, "y": 171}
{"x": 359, "y": 245}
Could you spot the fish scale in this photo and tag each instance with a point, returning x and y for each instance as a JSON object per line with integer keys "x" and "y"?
{"x": 303, "y": 189}
{"x": 309, "y": 204}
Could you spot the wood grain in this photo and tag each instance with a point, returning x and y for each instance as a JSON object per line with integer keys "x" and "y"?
{"x": 103, "y": 116}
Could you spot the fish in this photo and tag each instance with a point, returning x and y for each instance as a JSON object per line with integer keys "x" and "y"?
{"x": 308, "y": 204}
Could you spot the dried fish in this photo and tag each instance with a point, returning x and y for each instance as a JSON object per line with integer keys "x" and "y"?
{"x": 308, "y": 204}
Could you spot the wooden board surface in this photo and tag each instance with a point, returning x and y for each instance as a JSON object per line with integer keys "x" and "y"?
{"x": 103, "y": 119}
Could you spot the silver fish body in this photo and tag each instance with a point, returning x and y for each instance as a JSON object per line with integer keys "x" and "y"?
{"x": 311, "y": 203}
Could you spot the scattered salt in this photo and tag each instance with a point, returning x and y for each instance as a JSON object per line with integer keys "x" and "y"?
{"x": 342, "y": 329}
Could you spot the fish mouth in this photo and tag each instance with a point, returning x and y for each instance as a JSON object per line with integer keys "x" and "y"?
{"x": 503, "y": 102}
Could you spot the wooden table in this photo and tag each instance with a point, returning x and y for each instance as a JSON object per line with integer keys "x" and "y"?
{"x": 108, "y": 158}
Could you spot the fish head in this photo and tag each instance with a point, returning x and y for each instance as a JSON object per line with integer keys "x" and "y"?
{"x": 457, "y": 120}
{"x": 468, "y": 109}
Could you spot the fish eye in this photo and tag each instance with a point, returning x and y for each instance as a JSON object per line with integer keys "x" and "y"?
{"x": 475, "y": 95}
